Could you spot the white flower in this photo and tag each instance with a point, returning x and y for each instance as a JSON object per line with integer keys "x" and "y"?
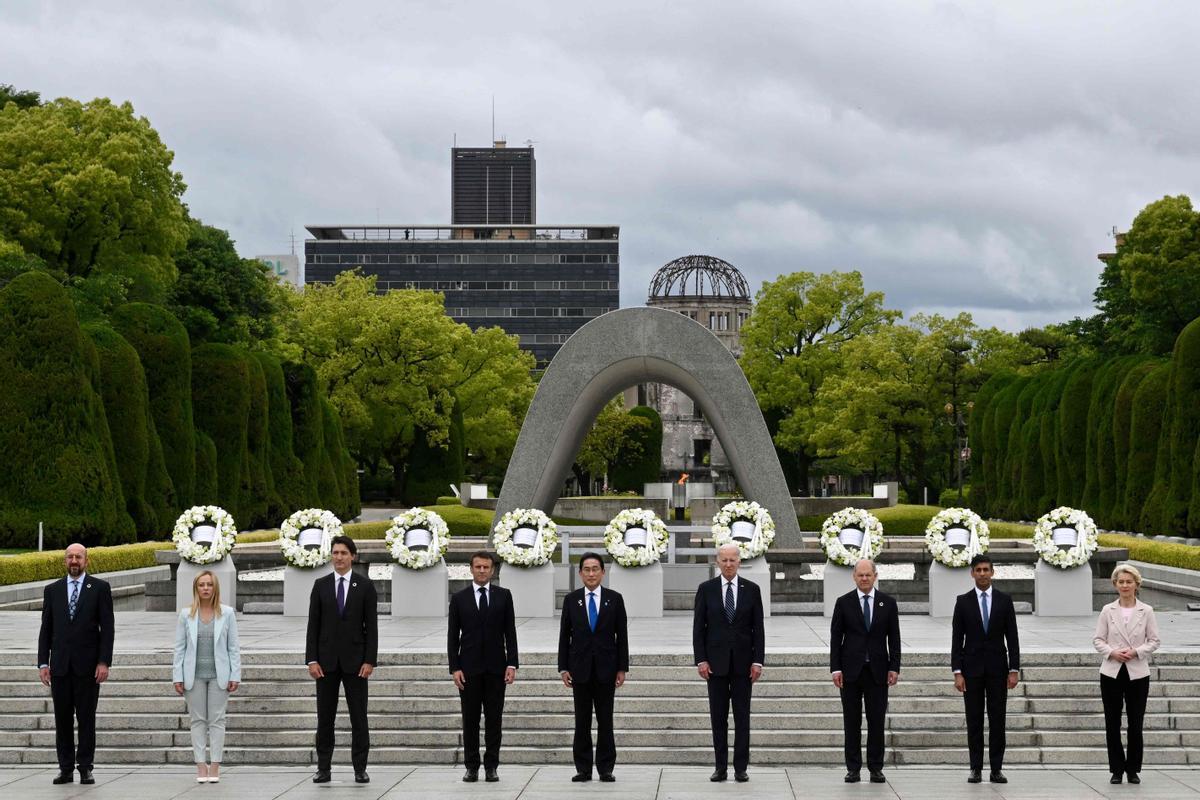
{"x": 764, "y": 528}
{"x": 200, "y": 553}
{"x": 289, "y": 533}
{"x": 1064, "y": 517}
{"x": 627, "y": 556}
{"x": 439, "y": 538}
{"x": 935, "y": 536}
{"x": 543, "y": 547}
{"x": 858, "y": 518}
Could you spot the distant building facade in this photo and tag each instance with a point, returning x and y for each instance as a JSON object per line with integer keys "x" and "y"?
{"x": 493, "y": 185}
{"x": 286, "y": 268}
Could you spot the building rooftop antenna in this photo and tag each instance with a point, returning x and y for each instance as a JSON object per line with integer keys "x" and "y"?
{"x": 293, "y": 238}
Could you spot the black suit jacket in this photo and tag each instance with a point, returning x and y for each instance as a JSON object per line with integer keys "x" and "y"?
{"x": 337, "y": 642}
{"x": 601, "y": 653}
{"x": 76, "y": 646}
{"x": 479, "y": 644}
{"x": 728, "y": 646}
{"x": 977, "y": 654}
{"x": 850, "y": 642}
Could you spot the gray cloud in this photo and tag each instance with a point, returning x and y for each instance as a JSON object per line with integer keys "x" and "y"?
{"x": 962, "y": 157}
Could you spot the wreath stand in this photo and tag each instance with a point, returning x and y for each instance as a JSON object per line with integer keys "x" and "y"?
{"x": 225, "y": 572}
{"x": 945, "y": 585}
{"x": 838, "y": 580}
{"x": 297, "y": 587}
{"x": 1061, "y": 592}
{"x": 642, "y": 588}
{"x": 532, "y": 588}
{"x": 421, "y": 592}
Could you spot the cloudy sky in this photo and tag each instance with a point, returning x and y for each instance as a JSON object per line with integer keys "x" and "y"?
{"x": 961, "y": 156}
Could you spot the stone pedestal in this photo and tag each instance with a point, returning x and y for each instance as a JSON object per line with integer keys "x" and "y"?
{"x": 420, "y": 592}
{"x": 838, "y": 581}
{"x": 297, "y": 587}
{"x": 642, "y": 588}
{"x": 945, "y": 585}
{"x": 224, "y": 570}
{"x": 1062, "y": 592}
{"x": 532, "y": 589}
{"x": 757, "y": 570}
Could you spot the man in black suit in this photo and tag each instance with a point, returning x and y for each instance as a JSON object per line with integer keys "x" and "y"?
{"x": 593, "y": 657}
{"x": 75, "y": 648}
{"x": 728, "y": 643}
{"x": 482, "y": 646}
{"x": 341, "y": 650}
{"x": 984, "y": 667}
{"x": 864, "y": 657}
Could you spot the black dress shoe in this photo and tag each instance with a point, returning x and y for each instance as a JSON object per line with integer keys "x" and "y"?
{"x": 852, "y": 777}
{"x": 1133, "y": 778}
{"x": 877, "y": 776}
{"x": 322, "y": 776}
{"x": 718, "y": 776}
{"x": 471, "y": 775}
{"x": 607, "y": 777}
{"x": 581, "y": 777}
{"x": 997, "y": 777}
{"x": 85, "y": 775}
{"x": 64, "y": 776}
{"x": 490, "y": 775}
{"x": 1116, "y": 778}
{"x": 741, "y": 777}
{"x": 362, "y": 777}
{"x": 976, "y": 776}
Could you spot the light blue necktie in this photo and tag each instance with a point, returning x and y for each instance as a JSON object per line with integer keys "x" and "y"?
{"x": 592, "y": 614}
{"x": 986, "y": 613}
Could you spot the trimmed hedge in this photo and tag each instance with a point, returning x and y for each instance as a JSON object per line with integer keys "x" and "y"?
{"x": 308, "y": 438}
{"x": 1072, "y": 433}
{"x": 980, "y": 433}
{"x": 908, "y": 520}
{"x": 1166, "y": 554}
{"x": 206, "y": 471}
{"x": 286, "y": 470}
{"x": 50, "y": 564}
{"x": 1184, "y": 433}
{"x": 221, "y": 405}
{"x": 1124, "y": 445}
{"x": 1105, "y": 403}
{"x": 258, "y": 487}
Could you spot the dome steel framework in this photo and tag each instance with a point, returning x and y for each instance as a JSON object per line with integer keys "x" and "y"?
{"x": 699, "y": 276}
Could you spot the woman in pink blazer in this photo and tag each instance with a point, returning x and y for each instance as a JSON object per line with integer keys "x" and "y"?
{"x": 1126, "y": 635}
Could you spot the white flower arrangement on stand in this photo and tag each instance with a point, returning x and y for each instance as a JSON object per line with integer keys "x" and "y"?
{"x": 204, "y": 552}
{"x": 752, "y": 538}
{"x": 842, "y": 528}
{"x": 1057, "y": 546}
{"x": 417, "y": 538}
{"x": 525, "y": 537}
{"x": 645, "y": 544}
{"x": 296, "y": 537}
{"x": 968, "y": 538}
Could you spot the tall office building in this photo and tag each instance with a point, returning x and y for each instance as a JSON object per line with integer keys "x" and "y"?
{"x": 493, "y": 185}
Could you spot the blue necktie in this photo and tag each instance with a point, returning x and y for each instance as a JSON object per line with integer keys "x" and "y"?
{"x": 592, "y": 613}
{"x": 74, "y": 601}
{"x": 867, "y": 611}
{"x": 730, "y": 609}
{"x": 986, "y": 613}
{"x": 341, "y": 597}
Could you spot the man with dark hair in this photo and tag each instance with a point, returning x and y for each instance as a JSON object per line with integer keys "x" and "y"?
{"x": 482, "y": 647}
{"x": 75, "y": 648}
{"x": 341, "y": 651}
{"x": 593, "y": 657}
{"x": 984, "y": 668}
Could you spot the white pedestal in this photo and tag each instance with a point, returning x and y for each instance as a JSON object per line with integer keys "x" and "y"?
{"x": 532, "y": 589}
{"x": 838, "y": 581}
{"x": 297, "y": 587}
{"x": 225, "y": 572}
{"x": 757, "y": 570}
{"x": 642, "y": 588}
{"x": 1062, "y": 592}
{"x": 420, "y": 592}
{"x": 945, "y": 585}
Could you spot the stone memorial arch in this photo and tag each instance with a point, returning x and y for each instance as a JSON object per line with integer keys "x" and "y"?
{"x": 622, "y": 349}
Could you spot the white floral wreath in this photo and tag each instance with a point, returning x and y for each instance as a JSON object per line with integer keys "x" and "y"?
{"x": 439, "y": 538}
{"x": 196, "y": 552}
{"x": 859, "y": 518}
{"x": 764, "y": 528}
{"x": 935, "y": 536}
{"x": 630, "y": 556}
{"x": 543, "y": 547}
{"x": 1086, "y": 539}
{"x": 289, "y": 537}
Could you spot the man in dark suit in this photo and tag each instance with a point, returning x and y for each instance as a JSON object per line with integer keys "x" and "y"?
{"x": 482, "y": 646}
{"x": 75, "y": 648}
{"x": 984, "y": 667}
{"x": 341, "y": 650}
{"x": 728, "y": 643}
{"x": 593, "y": 657}
{"x": 864, "y": 657}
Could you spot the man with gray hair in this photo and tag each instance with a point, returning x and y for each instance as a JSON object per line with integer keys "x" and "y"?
{"x": 728, "y": 643}
{"x": 864, "y": 659}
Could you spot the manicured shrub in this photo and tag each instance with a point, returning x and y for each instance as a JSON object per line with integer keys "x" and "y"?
{"x": 1101, "y": 396}
{"x": 308, "y": 432}
{"x": 1048, "y": 441}
{"x": 1107, "y": 492}
{"x": 221, "y": 407}
{"x": 1006, "y": 410}
{"x": 1072, "y": 432}
{"x": 983, "y": 443}
{"x": 258, "y": 488}
{"x": 49, "y": 564}
{"x": 206, "y": 471}
{"x": 286, "y": 470}
{"x": 1022, "y": 436}
{"x": 1184, "y": 430}
{"x": 1146, "y": 469}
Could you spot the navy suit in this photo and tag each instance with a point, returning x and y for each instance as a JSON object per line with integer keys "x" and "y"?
{"x": 73, "y": 648}
{"x": 594, "y": 658}
{"x": 483, "y": 646}
{"x": 864, "y": 656}
{"x": 985, "y": 659}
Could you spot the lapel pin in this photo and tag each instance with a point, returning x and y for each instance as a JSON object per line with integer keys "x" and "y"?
{"x": 353, "y": 584}
{"x": 88, "y": 586}
{"x": 581, "y": 602}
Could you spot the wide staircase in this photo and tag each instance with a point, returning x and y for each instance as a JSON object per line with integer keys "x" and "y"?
{"x": 1054, "y": 715}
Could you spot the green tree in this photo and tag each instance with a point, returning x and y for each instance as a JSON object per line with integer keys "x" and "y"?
{"x": 1125, "y": 446}
{"x": 631, "y": 472}
{"x": 88, "y": 188}
{"x": 22, "y": 98}
{"x": 221, "y": 402}
{"x": 616, "y": 433}
{"x": 1184, "y": 430}
{"x": 1145, "y": 445}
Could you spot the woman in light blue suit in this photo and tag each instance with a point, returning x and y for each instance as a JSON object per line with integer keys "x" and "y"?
{"x": 207, "y": 667}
